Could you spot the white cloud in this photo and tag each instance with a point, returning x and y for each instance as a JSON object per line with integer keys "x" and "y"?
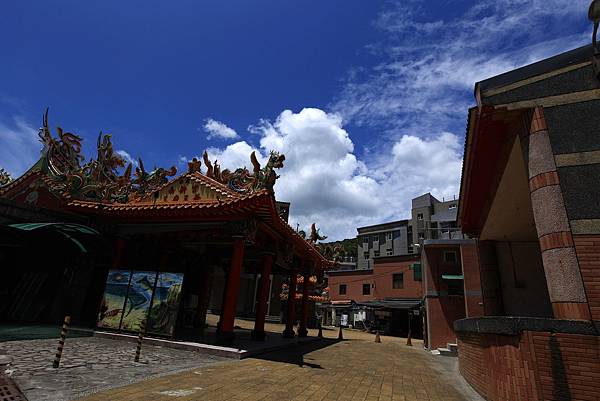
{"x": 423, "y": 82}
{"x": 328, "y": 184}
{"x": 19, "y": 146}
{"x": 128, "y": 159}
{"x": 217, "y": 129}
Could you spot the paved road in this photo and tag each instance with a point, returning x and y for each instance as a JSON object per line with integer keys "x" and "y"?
{"x": 328, "y": 370}
{"x": 88, "y": 365}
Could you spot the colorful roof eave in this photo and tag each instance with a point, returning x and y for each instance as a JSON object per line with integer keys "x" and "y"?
{"x": 260, "y": 202}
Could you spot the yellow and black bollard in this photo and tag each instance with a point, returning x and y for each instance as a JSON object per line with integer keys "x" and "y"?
{"x": 61, "y": 342}
{"x": 340, "y": 334}
{"x": 140, "y": 339}
{"x": 320, "y": 335}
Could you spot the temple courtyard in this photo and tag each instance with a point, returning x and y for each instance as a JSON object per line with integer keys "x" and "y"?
{"x": 356, "y": 368}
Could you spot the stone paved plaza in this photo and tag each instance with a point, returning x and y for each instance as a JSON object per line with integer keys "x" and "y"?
{"x": 328, "y": 370}
{"x": 88, "y": 365}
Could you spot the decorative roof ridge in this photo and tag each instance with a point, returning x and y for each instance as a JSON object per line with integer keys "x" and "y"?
{"x": 139, "y": 205}
{"x": 216, "y": 185}
{"x": 32, "y": 170}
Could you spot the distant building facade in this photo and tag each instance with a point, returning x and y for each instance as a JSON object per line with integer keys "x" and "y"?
{"x": 430, "y": 219}
{"x": 381, "y": 296}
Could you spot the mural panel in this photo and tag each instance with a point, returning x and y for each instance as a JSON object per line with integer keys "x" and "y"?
{"x": 138, "y": 300}
{"x": 163, "y": 313}
{"x": 111, "y": 309}
{"x": 132, "y": 296}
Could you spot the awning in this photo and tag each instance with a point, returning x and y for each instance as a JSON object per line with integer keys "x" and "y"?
{"x": 452, "y": 276}
{"x": 401, "y": 304}
{"x": 71, "y": 231}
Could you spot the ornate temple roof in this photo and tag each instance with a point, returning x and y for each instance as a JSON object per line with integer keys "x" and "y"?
{"x": 106, "y": 187}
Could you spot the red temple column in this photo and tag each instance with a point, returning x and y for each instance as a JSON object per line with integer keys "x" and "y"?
{"x": 291, "y": 307}
{"x": 302, "y": 331}
{"x": 263, "y": 297}
{"x": 225, "y": 333}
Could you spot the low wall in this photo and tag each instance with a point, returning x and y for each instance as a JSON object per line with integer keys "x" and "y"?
{"x": 507, "y": 358}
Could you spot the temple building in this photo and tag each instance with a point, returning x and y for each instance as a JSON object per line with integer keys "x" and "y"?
{"x": 112, "y": 248}
{"x": 530, "y": 196}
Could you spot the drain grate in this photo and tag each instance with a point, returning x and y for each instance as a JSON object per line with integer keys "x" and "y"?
{"x": 9, "y": 391}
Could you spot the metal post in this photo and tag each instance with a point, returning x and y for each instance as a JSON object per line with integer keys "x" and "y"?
{"x": 408, "y": 340}
{"x": 61, "y": 341}
{"x": 140, "y": 339}
{"x": 340, "y": 334}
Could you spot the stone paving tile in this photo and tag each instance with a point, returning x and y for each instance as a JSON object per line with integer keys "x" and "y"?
{"x": 327, "y": 371}
{"x": 89, "y": 365}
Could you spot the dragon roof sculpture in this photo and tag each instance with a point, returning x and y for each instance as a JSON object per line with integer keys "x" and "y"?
{"x": 242, "y": 180}
{"x": 98, "y": 179}
{"x": 5, "y": 177}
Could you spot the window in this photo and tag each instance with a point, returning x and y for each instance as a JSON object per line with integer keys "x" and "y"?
{"x": 367, "y": 289}
{"x": 376, "y": 254}
{"x": 450, "y": 257}
{"x": 342, "y": 289}
{"x": 366, "y": 255}
{"x": 365, "y": 239}
{"x": 455, "y": 287}
{"x": 376, "y": 238}
{"x": 397, "y": 281}
{"x": 420, "y": 216}
{"x": 452, "y": 206}
{"x": 417, "y": 275}
{"x": 410, "y": 249}
{"x": 389, "y": 235}
{"x": 389, "y": 252}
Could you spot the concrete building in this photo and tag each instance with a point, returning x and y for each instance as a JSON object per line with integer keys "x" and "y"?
{"x": 382, "y": 240}
{"x": 430, "y": 219}
{"x": 530, "y": 196}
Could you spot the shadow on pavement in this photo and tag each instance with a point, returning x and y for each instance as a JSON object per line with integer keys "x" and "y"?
{"x": 14, "y": 332}
{"x": 296, "y": 355}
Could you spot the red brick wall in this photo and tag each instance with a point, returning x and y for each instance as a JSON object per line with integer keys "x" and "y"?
{"x": 380, "y": 279}
{"x": 442, "y": 310}
{"x": 532, "y": 366}
{"x": 441, "y": 314}
{"x": 470, "y": 268}
{"x": 588, "y": 253}
{"x": 383, "y": 280}
{"x": 353, "y": 283}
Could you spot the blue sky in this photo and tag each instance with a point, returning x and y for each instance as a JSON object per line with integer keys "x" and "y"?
{"x": 368, "y": 99}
